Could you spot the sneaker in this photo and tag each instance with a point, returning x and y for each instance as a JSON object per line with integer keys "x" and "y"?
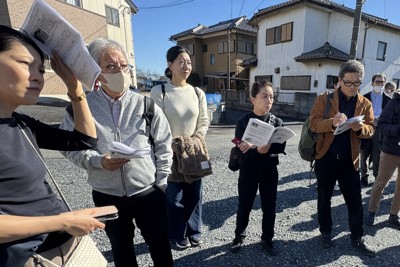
{"x": 183, "y": 244}
{"x": 394, "y": 220}
{"x": 362, "y": 247}
{"x": 369, "y": 220}
{"x": 236, "y": 244}
{"x": 364, "y": 181}
{"x": 194, "y": 241}
{"x": 269, "y": 248}
{"x": 326, "y": 241}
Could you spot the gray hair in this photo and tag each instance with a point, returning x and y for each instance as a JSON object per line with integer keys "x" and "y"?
{"x": 97, "y": 46}
{"x": 352, "y": 66}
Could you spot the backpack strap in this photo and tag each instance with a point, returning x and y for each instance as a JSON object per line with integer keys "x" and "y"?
{"x": 328, "y": 105}
{"x": 163, "y": 91}
{"x": 148, "y": 114}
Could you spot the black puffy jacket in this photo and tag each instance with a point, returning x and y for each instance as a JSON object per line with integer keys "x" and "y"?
{"x": 389, "y": 126}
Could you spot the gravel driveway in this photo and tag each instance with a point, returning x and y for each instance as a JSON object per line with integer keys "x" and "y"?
{"x": 296, "y": 230}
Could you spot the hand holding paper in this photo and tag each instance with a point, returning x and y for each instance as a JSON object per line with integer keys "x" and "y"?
{"x": 120, "y": 150}
{"x": 345, "y": 125}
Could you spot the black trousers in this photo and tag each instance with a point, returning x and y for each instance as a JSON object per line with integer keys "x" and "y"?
{"x": 150, "y": 214}
{"x": 250, "y": 180}
{"x": 332, "y": 168}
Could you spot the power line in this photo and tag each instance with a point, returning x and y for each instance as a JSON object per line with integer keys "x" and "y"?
{"x": 241, "y": 8}
{"x": 176, "y": 3}
{"x": 251, "y": 12}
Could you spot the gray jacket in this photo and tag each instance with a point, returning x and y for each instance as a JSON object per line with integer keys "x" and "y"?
{"x": 138, "y": 174}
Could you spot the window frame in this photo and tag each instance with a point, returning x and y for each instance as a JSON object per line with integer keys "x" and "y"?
{"x": 279, "y": 34}
{"x": 380, "y": 56}
{"x": 212, "y": 59}
{"x": 111, "y": 20}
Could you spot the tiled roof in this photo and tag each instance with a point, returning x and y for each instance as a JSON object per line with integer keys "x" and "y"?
{"x": 240, "y": 23}
{"x": 327, "y": 4}
{"x": 325, "y": 52}
{"x": 249, "y": 62}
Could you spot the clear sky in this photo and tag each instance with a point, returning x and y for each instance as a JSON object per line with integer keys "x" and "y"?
{"x": 157, "y": 20}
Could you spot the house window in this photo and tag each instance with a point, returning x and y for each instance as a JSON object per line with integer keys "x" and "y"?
{"x": 331, "y": 81}
{"x": 260, "y": 78}
{"x": 381, "y": 53}
{"x": 280, "y": 34}
{"x": 112, "y": 16}
{"x": 296, "y": 83}
{"x": 205, "y": 48}
{"x": 74, "y": 2}
{"x": 212, "y": 59}
{"x": 245, "y": 47}
{"x": 46, "y": 62}
{"x": 223, "y": 47}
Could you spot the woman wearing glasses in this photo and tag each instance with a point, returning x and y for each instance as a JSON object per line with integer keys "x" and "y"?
{"x": 135, "y": 186}
{"x": 186, "y": 110}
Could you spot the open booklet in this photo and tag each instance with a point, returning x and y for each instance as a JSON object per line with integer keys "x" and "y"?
{"x": 51, "y": 32}
{"x": 345, "y": 125}
{"x": 260, "y": 133}
{"x": 120, "y": 150}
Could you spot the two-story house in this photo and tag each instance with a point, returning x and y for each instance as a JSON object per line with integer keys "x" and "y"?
{"x": 302, "y": 43}
{"x": 217, "y": 52}
{"x": 93, "y": 19}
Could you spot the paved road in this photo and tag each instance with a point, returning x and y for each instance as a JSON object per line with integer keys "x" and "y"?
{"x": 296, "y": 226}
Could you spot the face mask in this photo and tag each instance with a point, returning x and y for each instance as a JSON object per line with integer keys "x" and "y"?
{"x": 378, "y": 89}
{"x": 117, "y": 82}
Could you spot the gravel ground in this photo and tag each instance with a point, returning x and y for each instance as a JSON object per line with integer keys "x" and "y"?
{"x": 296, "y": 230}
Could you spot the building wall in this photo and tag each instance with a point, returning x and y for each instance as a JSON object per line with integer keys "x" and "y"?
{"x": 313, "y": 27}
{"x": 89, "y": 20}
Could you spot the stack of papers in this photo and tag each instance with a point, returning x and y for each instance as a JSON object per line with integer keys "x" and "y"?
{"x": 344, "y": 126}
{"x": 120, "y": 150}
{"x": 260, "y": 133}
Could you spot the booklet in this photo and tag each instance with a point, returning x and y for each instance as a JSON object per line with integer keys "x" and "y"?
{"x": 345, "y": 125}
{"x": 120, "y": 150}
{"x": 50, "y": 31}
{"x": 260, "y": 133}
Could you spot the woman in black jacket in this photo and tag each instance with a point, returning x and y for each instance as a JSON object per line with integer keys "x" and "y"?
{"x": 258, "y": 170}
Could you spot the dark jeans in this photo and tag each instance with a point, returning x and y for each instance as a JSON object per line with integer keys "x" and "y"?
{"x": 150, "y": 214}
{"x": 250, "y": 180}
{"x": 185, "y": 203}
{"x": 328, "y": 170}
{"x": 371, "y": 148}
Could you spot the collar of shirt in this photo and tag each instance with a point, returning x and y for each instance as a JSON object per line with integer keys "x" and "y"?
{"x": 376, "y": 100}
{"x": 115, "y": 105}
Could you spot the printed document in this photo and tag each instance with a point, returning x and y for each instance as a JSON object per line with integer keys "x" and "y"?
{"x": 345, "y": 125}
{"x": 260, "y": 133}
{"x": 50, "y": 31}
{"x": 120, "y": 150}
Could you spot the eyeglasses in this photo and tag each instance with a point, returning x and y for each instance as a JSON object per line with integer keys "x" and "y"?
{"x": 112, "y": 67}
{"x": 379, "y": 82}
{"x": 349, "y": 84}
{"x": 183, "y": 62}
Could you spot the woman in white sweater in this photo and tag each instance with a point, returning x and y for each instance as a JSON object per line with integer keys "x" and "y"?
{"x": 186, "y": 110}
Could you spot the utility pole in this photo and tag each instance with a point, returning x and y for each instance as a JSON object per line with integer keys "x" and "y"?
{"x": 356, "y": 27}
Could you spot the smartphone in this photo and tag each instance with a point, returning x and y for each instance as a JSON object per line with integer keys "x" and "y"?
{"x": 106, "y": 213}
{"x": 236, "y": 141}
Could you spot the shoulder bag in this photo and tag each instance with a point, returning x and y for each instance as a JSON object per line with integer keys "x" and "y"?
{"x": 76, "y": 252}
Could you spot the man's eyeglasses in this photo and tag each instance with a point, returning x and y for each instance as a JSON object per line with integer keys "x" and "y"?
{"x": 379, "y": 82}
{"x": 349, "y": 84}
{"x": 112, "y": 67}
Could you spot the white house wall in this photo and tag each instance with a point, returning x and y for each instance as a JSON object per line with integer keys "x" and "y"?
{"x": 313, "y": 27}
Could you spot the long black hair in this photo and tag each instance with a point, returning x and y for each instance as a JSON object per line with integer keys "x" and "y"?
{"x": 9, "y": 35}
{"x": 172, "y": 54}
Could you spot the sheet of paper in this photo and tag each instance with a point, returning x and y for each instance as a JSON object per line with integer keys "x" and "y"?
{"x": 281, "y": 135}
{"x": 50, "y": 31}
{"x": 344, "y": 126}
{"x": 120, "y": 150}
{"x": 258, "y": 132}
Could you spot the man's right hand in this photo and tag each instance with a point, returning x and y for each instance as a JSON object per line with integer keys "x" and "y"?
{"x": 112, "y": 164}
